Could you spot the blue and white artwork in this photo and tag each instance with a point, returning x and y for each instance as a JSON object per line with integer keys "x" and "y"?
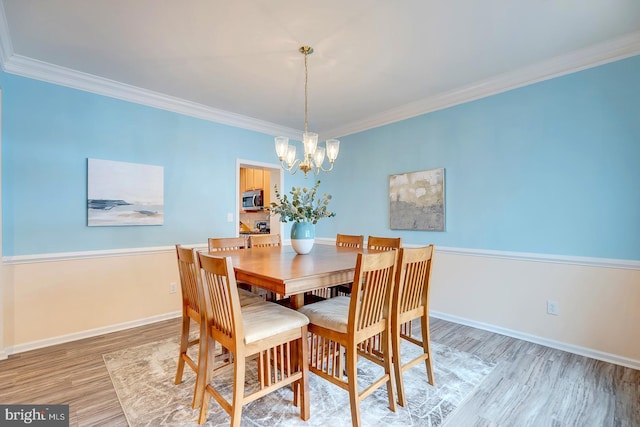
{"x": 122, "y": 193}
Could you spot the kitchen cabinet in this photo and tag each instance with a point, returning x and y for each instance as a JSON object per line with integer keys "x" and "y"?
{"x": 266, "y": 187}
{"x": 256, "y": 179}
{"x": 253, "y": 179}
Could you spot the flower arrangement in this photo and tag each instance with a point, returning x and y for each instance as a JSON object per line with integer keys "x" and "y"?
{"x": 304, "y": 205}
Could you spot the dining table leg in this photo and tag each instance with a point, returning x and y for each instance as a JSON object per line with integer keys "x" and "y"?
{"x": 296, "y": 301}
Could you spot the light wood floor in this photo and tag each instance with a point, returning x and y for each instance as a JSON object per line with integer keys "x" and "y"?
{"x": 531, "y": 385}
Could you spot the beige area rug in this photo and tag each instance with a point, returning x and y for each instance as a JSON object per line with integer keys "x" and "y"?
{"x": 143, "y": 379}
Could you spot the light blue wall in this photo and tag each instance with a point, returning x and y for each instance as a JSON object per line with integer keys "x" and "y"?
{"x": 49, "y": 132}
{"x": 550, "y": 168}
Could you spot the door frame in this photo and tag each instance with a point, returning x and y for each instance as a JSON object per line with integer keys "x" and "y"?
{"x": 277, "y": 177}
{"x": 3, "y": 279}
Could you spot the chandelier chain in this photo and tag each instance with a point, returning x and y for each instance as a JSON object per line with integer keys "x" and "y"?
{"x": 306, "y": 77}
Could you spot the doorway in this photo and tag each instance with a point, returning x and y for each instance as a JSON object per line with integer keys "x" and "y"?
{"x": 274, "y": 176}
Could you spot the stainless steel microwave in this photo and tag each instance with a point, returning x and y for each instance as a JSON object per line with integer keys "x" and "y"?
{"x": 252, "y": 200}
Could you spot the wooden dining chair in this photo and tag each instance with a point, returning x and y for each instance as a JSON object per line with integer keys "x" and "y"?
{"x": 411, "y": 301}
{"x": 264, "y": 240}
{"x": 344, "y": 325}
{"x": 349, "y": 241}
{"x": 342, "y": 241}
{"x": 383, "y": 243}
{"x": 276, "y": 336}
{"x": 346, "y": 241}
{"x": 227, "y": 243}
{"x": 221, "y": 244}
{"x": 192, "y": 309}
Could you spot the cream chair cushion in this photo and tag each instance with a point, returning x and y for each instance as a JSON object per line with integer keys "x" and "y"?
{"x": 330, "y": 314}
{"x": 265, "y": 319}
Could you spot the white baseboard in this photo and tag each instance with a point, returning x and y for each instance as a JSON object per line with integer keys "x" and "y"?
{"x": 86, "y": 334}
{"x": 570, "y": 348}
{"x": 581, "y": 351}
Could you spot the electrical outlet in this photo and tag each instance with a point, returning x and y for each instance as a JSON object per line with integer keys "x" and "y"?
{"x": 173, "y": 287}
{"x": 552, "y": 307}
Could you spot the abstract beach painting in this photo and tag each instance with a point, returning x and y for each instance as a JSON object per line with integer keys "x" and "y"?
{"x": 416, "y": 200}
{"x": 122, "y": 193}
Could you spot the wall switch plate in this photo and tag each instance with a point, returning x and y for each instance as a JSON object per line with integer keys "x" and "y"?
{"x": 173, "y": 287}
{"x": 552, "y": 308}
{"x": 229, "y": 217}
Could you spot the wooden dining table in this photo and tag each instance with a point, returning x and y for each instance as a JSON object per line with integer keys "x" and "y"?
{"x": 281, "y": 270}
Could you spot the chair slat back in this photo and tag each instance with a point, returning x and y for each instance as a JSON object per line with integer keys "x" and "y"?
{"x": 413, "y": 275}
{"x": 349, "y": 241}
{"x": 227, "y": 243}
{"x": 188, "y": 278}
{"x": 383, "y": 243}
{"x": 220, "y": 292}
{"x": 371, "y": 292}
{"x": 264, "y": 240}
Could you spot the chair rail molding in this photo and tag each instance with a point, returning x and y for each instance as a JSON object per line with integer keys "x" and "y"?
{"x": 625, "y": 264}
{"x": 26, "y": 260}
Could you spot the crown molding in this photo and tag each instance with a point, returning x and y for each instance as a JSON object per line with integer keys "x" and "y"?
{"x": 50, "y": 73}
{"x": 610, "y": 51}
{"x": 39, "y": 70}
{"x": 6, "y": 47}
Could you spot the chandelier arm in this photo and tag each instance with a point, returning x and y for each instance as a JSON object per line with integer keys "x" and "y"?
{"x": 294, "y": 166}
{"x": 320, "y": 168}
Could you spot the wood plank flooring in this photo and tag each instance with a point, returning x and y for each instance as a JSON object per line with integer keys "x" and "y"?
{"x": 532, "y": 385}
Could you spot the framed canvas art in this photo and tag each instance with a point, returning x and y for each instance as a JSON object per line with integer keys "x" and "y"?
{"x": 416, "y": 200}
{"x": 121, "y": 193}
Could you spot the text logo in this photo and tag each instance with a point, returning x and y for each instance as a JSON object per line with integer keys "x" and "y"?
{"x": 34, "y": 415}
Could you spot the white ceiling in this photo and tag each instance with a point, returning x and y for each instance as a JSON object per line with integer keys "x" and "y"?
{"x": 375, "y": 62}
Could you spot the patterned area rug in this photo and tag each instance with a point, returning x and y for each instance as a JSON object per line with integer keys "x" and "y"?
{"x": 143, "y": 379}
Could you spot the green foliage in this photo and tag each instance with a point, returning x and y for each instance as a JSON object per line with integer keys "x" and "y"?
{"x": 304, "y": 205}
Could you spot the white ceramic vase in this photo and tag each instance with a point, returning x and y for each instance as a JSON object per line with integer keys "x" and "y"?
{"x": 303, "y": 236}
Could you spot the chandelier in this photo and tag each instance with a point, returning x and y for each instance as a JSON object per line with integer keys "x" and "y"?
{"x": 313, "y": 154}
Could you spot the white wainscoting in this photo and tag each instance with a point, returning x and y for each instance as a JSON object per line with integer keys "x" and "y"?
{"x": 85, "y": 294}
